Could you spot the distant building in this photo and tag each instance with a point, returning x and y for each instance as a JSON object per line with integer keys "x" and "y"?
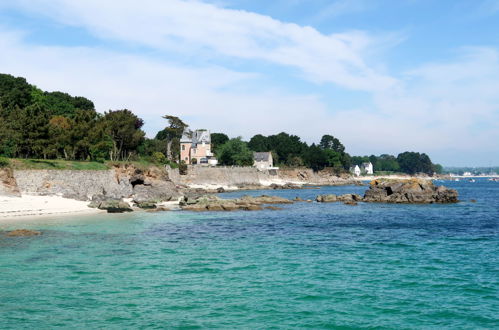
{"x": 368, "y": 168}
{"x": 195, "y": 148}
{"x": 355, "y": 170}
{"x": 263, "y": 160}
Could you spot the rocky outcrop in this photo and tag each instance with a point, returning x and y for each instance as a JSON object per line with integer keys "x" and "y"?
{"x": 23, "y": 233}
{"x": 115, "y": 206}
{"x": 246, "y": 203}
{"x": 411, "y": 191}
{"x": 149, "y": 185}
{"x": 8, "y": 184}
{"x": 331, "y": 198}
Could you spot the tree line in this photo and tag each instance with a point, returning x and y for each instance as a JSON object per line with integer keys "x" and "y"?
{"x": 55, "y": 125}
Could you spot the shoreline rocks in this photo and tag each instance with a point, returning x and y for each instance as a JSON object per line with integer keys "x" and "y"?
{"x": 245, "y": 203}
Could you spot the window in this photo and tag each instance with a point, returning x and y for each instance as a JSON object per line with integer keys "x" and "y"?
{"x": 183, "y": 147}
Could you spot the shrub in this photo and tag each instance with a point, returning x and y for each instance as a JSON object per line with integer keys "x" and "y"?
{"x": 4, "y": 162}
{"x": 159, "y": 158}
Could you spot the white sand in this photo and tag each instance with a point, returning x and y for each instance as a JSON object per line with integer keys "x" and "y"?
{"x": 30, "y": 206}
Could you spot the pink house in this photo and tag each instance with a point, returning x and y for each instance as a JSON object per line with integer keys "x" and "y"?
{"x": 195, "y": 148}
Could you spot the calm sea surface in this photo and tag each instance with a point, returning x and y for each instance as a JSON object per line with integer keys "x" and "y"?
{"x": 308, "y": 266}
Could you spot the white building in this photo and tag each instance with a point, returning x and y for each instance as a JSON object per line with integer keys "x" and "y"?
{"x": 263, "y": 160}
{"x": 355, "y": 170}
{"x": 368, "y": 168}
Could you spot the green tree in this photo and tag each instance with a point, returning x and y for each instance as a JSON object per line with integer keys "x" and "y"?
{"x": 218, "y": 139}
{"x": 259, "y": 143}
{"x": 235, "y": 152}
{"x": 172, "y": 134}
{"x": 124, "y": 128}
{"x": 415, "y": 162}
{"x": 330, "y": 142}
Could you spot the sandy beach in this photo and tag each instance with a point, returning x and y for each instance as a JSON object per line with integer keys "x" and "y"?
{"x": 36, "y": 206}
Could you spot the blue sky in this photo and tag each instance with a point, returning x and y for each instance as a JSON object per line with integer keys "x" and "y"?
{"x": 382, "y": 76}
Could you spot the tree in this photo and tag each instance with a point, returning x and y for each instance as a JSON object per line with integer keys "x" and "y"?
{"x": 217, "y": 139}
{"x": 286, "y": 146}
{"x": 315, "y": 157}
{"x": 330, "y": 142}
{"x": 124, "y": 129}
{"x": 259, "y": 143}
{"x": 235, "y": 152}
{"x": 172, "y": 134}
{"x": 415, "y": 162}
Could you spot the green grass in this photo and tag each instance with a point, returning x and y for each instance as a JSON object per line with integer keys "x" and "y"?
{"x": 56, "y": 164}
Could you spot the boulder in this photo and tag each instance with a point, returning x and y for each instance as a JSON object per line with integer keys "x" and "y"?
{"x": 264, "y": 199}
{"x": 273, "y": 208}
{"x": 409, "y": 191}
{"x": 160, "y": 191}
{"x": 23, "y": 233}
{"x": 146, "y": 205}
{"x": 195, "y": 207}
{"x": 352, "y": 203}
{"x": 326, "y": 198}
{"x": 115, "y": 206}
{"x": 253, "y": 208}
{"x": 349, "y": 198}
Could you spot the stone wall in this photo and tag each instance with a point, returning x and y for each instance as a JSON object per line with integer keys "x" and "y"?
{"x": 117, "y": 183}
{"x": 81, "y": 185}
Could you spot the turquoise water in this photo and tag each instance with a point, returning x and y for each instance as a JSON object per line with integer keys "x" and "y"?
{"x": 308, "y": 266}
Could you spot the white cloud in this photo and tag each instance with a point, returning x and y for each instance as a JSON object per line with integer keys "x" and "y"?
{"x": 171, "y": 25}
{"x": 153, "y": 88}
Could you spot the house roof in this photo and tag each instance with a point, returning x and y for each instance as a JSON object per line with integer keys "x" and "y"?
{"x": 262, "y": 156}
{"x": 198, "y": 136}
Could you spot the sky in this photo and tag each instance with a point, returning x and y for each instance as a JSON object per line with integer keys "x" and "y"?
{"x": 383, "y": 76}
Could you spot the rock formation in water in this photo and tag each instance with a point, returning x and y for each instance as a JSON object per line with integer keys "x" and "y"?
{"x": 246, "y": 203}
{"x": 411, "y": 191}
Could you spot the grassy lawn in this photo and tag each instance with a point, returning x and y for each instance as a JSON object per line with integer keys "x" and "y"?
{"x": 55, "y": 164}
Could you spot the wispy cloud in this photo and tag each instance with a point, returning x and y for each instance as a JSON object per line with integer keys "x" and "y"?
{"x": 344, "y": 7}
{"x": 175, "y": 25}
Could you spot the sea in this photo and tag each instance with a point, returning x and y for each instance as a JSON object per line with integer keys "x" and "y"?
{"x": 310, "y": 265}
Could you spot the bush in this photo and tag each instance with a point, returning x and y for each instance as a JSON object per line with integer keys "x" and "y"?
{"x": 4, "y": 162}
{"x": 159, "y": 158}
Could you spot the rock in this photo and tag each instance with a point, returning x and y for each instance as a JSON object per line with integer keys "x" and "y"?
{"x": 326, "y": 198}
{"x": 215, "y": 207}
{"x": 264, "y": 199}
{"x": 146, "y": 205}
{"x": 214, "y": 203}
{"x": 253, "y": 208}
{"x": 220, "y": 190}
{"x": 115, "y": 206}
{"x": 349, "y": 198}
{"x": 159, "y": 191}
{"x": 298, "y": 199}
{"x": 195, "y": 207}
{"x": 230, "y": 206}
{"x": 274, "y": 208}
{"x": 473, "y": 200}
{"x": 284, "y": 186}
{"x": 158, "y": 209}
{"x": 352, "y": 203}
{"x": 411, "y": 191}
{"x": 23, "y": 233}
